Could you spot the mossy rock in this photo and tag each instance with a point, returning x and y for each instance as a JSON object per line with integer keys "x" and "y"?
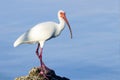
{"x": 34, "y": 75}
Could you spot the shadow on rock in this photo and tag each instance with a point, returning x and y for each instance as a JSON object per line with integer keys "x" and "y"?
{"x": 34, "y": 75}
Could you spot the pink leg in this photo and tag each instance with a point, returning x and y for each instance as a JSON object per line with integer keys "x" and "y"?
{"x": 40, "y": 55}
{"x": 37, "y": 53}
{"x": 37, "y": 50}
{"x": 43, "y": 67}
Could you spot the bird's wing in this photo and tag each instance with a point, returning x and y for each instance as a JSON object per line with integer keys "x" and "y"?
{"x": 40, "y": 32}
{"x": 22, "y": 39}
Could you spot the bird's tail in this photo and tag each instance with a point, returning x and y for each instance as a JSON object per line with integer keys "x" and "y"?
{"x": 16, "y": 43}
{"x": 19, "y": 41}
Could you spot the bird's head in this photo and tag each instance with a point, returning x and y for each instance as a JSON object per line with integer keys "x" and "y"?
{"x": 62, "y": 15}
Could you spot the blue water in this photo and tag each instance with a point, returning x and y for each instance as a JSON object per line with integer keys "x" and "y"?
{"x": 92, "y": 54}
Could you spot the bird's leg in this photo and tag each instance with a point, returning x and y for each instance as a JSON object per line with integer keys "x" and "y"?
{"x": 42, "y": 63}
{"x": 43, "y": 68}
{"x": 37, "y": 50}
{"x": 40, "y": 57}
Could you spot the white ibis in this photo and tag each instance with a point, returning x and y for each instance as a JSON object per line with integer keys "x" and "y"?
{"x": 43, "y": 32}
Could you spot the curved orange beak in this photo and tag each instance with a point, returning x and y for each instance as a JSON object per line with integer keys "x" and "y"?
{"x": 64, "y": 17}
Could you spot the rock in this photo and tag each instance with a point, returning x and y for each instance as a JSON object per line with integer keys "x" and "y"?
{"x": 34, "y": 75}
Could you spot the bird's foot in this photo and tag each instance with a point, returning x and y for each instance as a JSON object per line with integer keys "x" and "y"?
{"x": 44, "y": 72}
{"x": 44, "y": 75}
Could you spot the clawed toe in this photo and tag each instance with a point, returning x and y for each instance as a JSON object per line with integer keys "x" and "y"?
{"x": 43, "y": 72}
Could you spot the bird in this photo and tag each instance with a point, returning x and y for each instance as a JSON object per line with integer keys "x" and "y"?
{"x": 43, "y": 32}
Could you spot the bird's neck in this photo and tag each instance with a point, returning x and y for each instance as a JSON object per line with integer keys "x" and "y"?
{"x": 60, "y": 27}
{"x": 61, "y": 24}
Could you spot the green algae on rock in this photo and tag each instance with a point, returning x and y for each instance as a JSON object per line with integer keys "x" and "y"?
{"x": 34, "y": 75}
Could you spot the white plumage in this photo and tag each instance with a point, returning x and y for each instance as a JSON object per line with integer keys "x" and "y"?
{"x": 37, "y": 34}
{"x": 41, "y": 33}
